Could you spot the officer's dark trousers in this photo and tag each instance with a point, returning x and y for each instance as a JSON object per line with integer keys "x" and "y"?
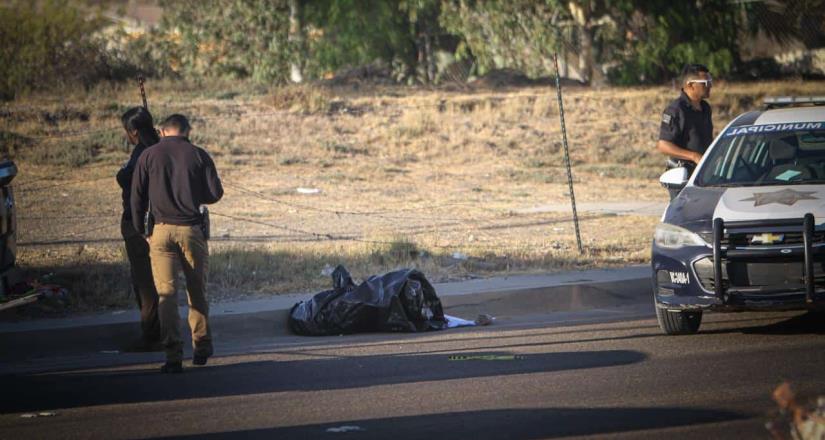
{"x": 143, "y": 285}
{"x": 171, "y": 245}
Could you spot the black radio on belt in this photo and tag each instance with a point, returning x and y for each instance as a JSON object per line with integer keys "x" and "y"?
{"x": 205, "y": 221}
{"x": 148, "y": 223}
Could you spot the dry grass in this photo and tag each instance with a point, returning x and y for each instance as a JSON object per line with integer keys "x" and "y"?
{"x": 406, "y": 177}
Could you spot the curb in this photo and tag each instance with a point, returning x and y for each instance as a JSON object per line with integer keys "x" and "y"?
{"x": 502, "y": 285}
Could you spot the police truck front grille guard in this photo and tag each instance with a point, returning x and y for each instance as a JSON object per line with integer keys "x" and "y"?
{"x": 719, "y": 226}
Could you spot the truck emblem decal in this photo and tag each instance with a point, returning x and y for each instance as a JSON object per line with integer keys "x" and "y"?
{"x": 767, "y": 238}
{"x": 785, "y": 197}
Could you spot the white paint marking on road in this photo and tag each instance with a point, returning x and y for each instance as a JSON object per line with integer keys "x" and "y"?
{"x": 40, "y": 414}
{"x": 346, "y": 428}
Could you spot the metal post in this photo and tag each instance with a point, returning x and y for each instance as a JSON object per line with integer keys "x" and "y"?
{"x": 141, "y": 80}
{"x": 567, "y": 154}
{"x": 807, "y": 237}
{"x": 718, "y": 232}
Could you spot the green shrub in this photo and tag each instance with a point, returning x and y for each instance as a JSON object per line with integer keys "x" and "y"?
{"x": 48, "y": 44}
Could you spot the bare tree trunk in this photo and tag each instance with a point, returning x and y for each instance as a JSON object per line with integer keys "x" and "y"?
{"x": 428, "y": 50}
{"x": 297, "y": 41}
{"x": 565, "y": 72}
{"x": 586, "y": 56}
{"x": 581, "y": 13}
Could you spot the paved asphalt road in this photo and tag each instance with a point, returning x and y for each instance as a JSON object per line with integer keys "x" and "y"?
{"x": 595, "y": 373}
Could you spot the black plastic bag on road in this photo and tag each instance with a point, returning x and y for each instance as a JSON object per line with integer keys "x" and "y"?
{"x": 399, "y": 301}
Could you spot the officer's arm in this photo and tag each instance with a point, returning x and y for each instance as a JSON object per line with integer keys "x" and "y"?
{"x": 671, "y": 134}
{"x": 140, "y": 194}
{"x": 673, "y": 150}
{"x": 212, "y": 184}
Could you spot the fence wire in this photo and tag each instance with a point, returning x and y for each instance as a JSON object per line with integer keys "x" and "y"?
{"x": 107, "y": 221}
{"x": 429, "y": 223}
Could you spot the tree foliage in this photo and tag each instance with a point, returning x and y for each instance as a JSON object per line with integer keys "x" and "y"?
{"x": 251, "y": 38}
{"x": 664, "y": 37}
{"x": 350, "y": 33}
{"x": 518, "y": 34}
{"x": 53, "y": 42}
{"x": 630, "y": 41}
{"x": 786, "y": 21}
{"x": 229, "y": 38}
{"x": 48, "y": 42}
{"x": 404, "y": 34}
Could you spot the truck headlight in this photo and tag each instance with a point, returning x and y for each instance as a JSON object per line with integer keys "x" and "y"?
{"x": 673, "y": 237}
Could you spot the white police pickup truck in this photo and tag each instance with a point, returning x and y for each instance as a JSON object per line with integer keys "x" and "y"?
{"x": 747, "y": 230}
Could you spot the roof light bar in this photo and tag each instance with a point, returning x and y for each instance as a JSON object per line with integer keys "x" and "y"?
{"x": 792, "y": 101}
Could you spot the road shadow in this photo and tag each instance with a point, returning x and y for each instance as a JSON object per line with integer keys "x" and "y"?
{"x": 82, "y": 389}
{"x": 77, "y": 341}
{"x": 810, "y": 323}
{"x": 474, "y": 334}
{"x": 535, "y": 423}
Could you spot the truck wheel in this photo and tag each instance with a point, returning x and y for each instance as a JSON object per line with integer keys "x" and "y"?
{"x": 678, "y": 323}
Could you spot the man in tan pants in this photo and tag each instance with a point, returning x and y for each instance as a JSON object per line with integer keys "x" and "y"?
{"x": 169, "y": 245}
{"x": 176, "y": 178}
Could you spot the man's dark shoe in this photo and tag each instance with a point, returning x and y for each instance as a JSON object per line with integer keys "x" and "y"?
{"x": 172, "y": 368}
{"x": 199, "y": 359}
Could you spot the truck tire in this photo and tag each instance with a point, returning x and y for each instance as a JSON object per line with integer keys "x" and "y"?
{"x": 678, "y": 323}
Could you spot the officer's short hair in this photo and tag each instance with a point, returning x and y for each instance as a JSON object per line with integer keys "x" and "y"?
{"x": 177, "y": 121}
{"x": 692, "y": 71}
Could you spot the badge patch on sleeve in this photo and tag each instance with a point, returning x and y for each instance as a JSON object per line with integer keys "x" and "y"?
{"x": 667, "y": 119}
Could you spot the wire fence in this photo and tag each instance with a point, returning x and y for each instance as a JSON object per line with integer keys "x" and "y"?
{"x": 428, "y": 217}
{"x": 108, "y": 221}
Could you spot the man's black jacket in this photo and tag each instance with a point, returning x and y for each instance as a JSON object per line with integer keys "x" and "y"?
{"x": 177, "y": 178}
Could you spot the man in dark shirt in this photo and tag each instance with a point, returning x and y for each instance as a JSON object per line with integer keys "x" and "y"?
{"x": 686, "y": 130}
{"x": 176, "y": 178}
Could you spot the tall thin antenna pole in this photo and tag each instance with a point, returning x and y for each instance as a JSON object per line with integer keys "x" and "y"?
{"x": 567, "y": 155}
{"x": 141, "y": 80}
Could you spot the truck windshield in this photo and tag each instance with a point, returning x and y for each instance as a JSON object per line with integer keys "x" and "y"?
{"x": 751, "y": 158}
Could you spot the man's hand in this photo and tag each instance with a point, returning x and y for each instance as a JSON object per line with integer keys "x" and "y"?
{"x": 673, "y": 150}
